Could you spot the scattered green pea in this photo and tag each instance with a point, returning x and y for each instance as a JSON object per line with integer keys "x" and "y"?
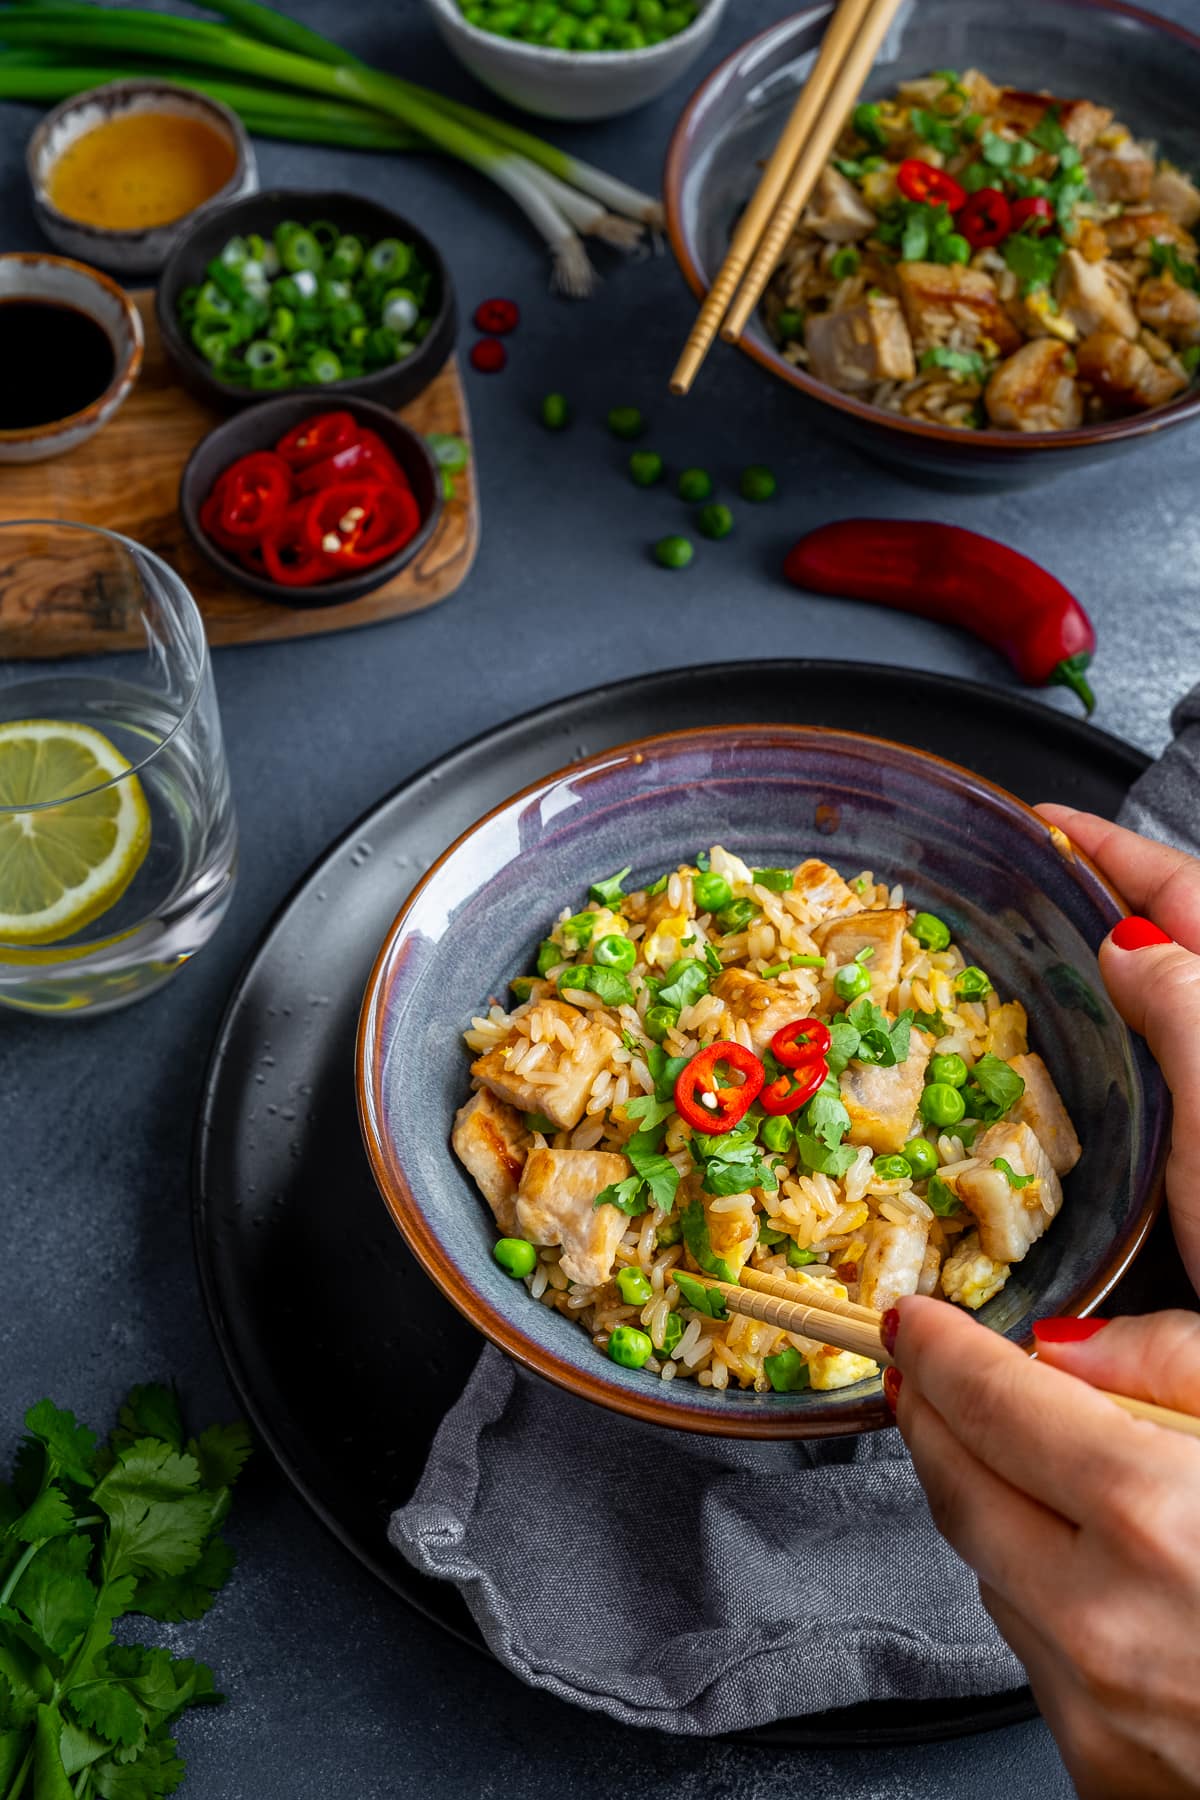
{"x": 851, "y": 981}
{"x": 549, "y": 956}
{"x": 630, "y": 1347}
{"x": 556, "y": 412}
{"x": 516, "y": 1256}
{"x": 626, "y": 422}
{"x": 891, "y": 1168}
{"x": 672, "y": 1330}
{"x": 646, "y": 467}
{"x": 921, "y": 1157}
{"x": 790, "y": 324}
{"x": 714, "y": 520}
{"x": 711, "y": 892}
{"x": 844, "y": 262}
{"x": 659, "y": 1020}
{"x": 674, "y": 552}
{"x": 634, "y": 1288}
{"x": 942, "y": 1104}
{"x": 616, "y": 952}
{"x": 694, "y": 485}
{"x": 950, "y": 1069}
{"x": 736, "y": 916}
{"x": 798, "y": 1258}
{"x": 758, "y": 483}
{"x": 972, "y": 984}
{"x": 930, "y": 932}
{"x": 777, "y": 1135}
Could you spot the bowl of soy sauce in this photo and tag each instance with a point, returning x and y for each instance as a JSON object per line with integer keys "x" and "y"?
{"x": 71, "y": 346}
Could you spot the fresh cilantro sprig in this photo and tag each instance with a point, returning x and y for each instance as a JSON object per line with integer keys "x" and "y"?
{"x": 880, "y": 1042}
{"x": 968, "y": 363}
{"x": 706, "y": 1300}
{"x": 654, "y": 1182}
{"x": 1033, "y": 260}
{"x": 1165, "y": 259}
{"x": 1010, "y": 1174}
{"x": 992, "y": 1089}
{"x": 88, "y": 1533}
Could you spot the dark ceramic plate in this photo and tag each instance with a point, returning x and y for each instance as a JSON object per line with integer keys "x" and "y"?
{"x": 1146, "y": 68}
{"x": 393, "y": 386}
{"x": 317, "y": 1306}
{"x": 260, "y": 428}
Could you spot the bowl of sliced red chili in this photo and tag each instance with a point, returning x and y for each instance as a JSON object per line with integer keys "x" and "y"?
{"x": 311, "y": 507}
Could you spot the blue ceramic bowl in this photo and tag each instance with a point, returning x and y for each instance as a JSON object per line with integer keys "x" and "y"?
{"x": 1026, "y": 906}
{"x": 1146, "y": 68}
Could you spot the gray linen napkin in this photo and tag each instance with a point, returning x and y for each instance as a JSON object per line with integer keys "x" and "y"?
{"x": 702, "y": 1586}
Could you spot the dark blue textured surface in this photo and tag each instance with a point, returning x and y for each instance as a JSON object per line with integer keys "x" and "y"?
{"x": 334, "y": 1688}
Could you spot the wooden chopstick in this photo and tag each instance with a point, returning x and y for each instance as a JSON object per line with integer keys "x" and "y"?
{"x": 856, "y": 1328}
{"x": 840, "y": 33}
{"x": 811, "y": 155}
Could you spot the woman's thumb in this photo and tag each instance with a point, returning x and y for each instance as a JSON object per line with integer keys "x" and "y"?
{"x": 1156, "y": 1358}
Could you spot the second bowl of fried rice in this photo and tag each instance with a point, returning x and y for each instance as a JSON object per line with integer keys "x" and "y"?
{"x": 573, "y": 994}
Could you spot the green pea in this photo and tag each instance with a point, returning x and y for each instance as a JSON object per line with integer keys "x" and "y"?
{"x": 592, "y": 34}
{"x": 522, "y": 987}
{"x": 942, "y": 1104}
{"x": 634, "y": 1287}
{"x": 549, "y": 956}
{"x": 673, "y": 552}
{"x": 711, "y": 892}
{"x": 617, "y": 9}
{"x": 630, "y": 1347}
{"x": 649, "y": 14}
{"x": 758, "y": 483}
{"x": 668, "y": 1233}
{"x": 583, "y": 9}
{"x": 715, "y": 520}
{"x": 844, "y": 262}
{"x": 950, "y": 1069}
{"x": 972, "y": 984}
{"x": 891, "y": 1168}
{"x": 736, "y": 916}
{"x": 695, "y": 485}
{"x": 777, "y": 1135}
{"x": 616, "y": 952}
{"x": 659, "y": 1020}
{"x": 787, "y": 1372}
{"x": 955, "y": 248}
{"x": 516, "y": 1256}
{"x": 563, "y": 34}
{"x": 626, "y": 422}
{"x": 672, "y": 1330}
{"x": 930, "y": 932}
{"x": 645, "y": 467}
{"x": 921, "y": 1157}
{"x": 790, "y": 325}
{"x": 851, "y": 981}
{"x": 675, "y": 19}
{"x": 556, "y": 412}
{"x": 798, "y": 1258}
{"x": 629, "y": 37}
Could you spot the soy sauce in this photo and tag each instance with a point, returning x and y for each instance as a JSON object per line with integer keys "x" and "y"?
{"x": 56, "y": 361}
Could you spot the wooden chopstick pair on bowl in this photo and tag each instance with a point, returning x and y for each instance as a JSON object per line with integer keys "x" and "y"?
{"x": 848, "y": 49}
{"x": 805, "y": 1308}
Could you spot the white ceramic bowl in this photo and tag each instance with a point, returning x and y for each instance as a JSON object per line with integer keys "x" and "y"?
{"x": 129, "y": 252}
{"x": 574, "y": 84}
{"x": 29, "y": 276}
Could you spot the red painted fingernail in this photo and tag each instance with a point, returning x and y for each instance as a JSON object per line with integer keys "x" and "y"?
{"x": 889, "y": 1325}
{"x": 1136, "y": 933}
{"x": 892, "y": 1379}
{"x": 1066, "y": 1331}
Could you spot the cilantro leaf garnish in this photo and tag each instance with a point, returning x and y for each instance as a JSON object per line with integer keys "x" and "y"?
{"x": 649, "y": 1109}
{"x": 610, "y": 892}
{"x": 1033, "y": 260}
{"x": 699, "y": 1243}
{"x": 656, "y": 1170}
{"x": 705, "y": 1299}
{"x": 1006, "y": 1169}
{"x": 1165, "y": 259}
{"x": 959, "y": 362}
{"x": 931, "y": 129}
{"x": 735, "y": 1170}
{"x": 825, "y": 1116}
{"x": 993, "y": 1088}
{"x": 880, "y": 1042}
{"x": 690, "y": 981}
{"x": 942, "y": 1198}
{"x": 664, "y": 1070}
{"x": 788, "y": 1373}
{"x": 821, "y": 1159}
{"x": 628, "y": 1196}
{"x": 1048, "y": 133}
{"x": 932, "y": 1022}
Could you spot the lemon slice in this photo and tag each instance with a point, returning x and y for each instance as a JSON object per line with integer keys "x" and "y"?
{"x": 63, "y": 865}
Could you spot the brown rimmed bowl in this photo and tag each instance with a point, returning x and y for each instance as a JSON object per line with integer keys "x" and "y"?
{"x": 1145, "y": 67}
{"x": 1020, "y": 900}
{"x": 260, "y": 428}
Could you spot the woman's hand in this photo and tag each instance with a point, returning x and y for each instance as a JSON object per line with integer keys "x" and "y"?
{"x": 1083, "y": 1524}
{"x": 1156, "y": 988}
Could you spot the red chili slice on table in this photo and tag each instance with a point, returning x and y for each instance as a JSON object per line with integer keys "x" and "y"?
{"x": 324, "y": 434}
{"x": 987, "y": 218}
{"x": 919, "y": 180}
{"x": 497, "y": 316}
{"x": 1036, "y": 214}
{"x": 707, "y": 1105}
{"x": 488, "y": 356}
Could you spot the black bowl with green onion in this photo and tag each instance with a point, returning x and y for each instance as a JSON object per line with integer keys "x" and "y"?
{"x": 306, "y": 291}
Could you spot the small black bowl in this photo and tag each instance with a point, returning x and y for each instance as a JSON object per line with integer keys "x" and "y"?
{"x": 393, "y": 386}
{"x": 260, "y": 429}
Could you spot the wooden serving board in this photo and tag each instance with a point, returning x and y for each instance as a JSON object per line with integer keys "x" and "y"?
{"x": 127, "y": 479}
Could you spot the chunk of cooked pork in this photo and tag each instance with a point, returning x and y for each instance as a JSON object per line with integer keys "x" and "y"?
{"x": 1125, "y": 375}
{"x": 946, "y": 303}
{"x": 1010, "y": 1219}
{"x": 765, "y": 1006}
{"x": 556, "y": 1204}
{"x": 893, "y": 1263}
{"x": 1041, "y": 1108}
{"x": 1123, "y": 172}
{"x": 1172, "y": 192}
{"x": 880, "y": 932}
{"x": 1092, "y": 298}
{"x": 836, "y": 211}
{"x": 860, "y": 345}
{"x": 883, "y": 1102}
{"x": 490, "y": 1141}
{"x": 1035, "y": 389}
{"x": 1171, "y": 310}
{"x": 556, "y": 1081}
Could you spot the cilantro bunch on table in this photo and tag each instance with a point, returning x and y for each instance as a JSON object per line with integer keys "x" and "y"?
{"x": 89, "y": 1532}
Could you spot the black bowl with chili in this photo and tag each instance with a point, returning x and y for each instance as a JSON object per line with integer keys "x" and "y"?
{"x": 260, "y": 214}
{"x": 291, "y": 547}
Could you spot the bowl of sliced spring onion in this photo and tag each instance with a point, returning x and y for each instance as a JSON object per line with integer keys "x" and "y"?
{"x": 306, "y": 291}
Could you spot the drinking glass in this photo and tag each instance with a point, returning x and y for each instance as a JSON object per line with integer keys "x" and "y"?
{"x": 162, "y": 896}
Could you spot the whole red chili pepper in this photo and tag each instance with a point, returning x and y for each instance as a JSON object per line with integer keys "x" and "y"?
{"x": 919, "y": 180}
{"x": 985, "y": 219}
{"x": 1036, "y": 212}
{"x": 958, "y": 578}
{"x": 708, "y": 1107}
{"x": 784, "y": 1097}
{"x": 794, "y": 1044}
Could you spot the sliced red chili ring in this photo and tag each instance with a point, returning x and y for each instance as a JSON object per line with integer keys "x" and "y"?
{"x": 985, "y": 219}
{"x": 795, "y": 1088}
{"x": 488, "y": 356}
{"x": 359, "y": 523}
{"x": 919, "y": 180}
{"x": 369, "y": 458}
{"x": 253, "y": 492}
{"x": 321, "y": 435}
{"x": 794, "y": 1044}
{"x": 702, "y": 1102}
{"x": 497, "y": 316}
{"x": 289, "y": 556}
{"x": 1026, "y": 212}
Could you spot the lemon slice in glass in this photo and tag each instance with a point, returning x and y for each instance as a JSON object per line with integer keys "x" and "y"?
{"x": 63, "y": 865}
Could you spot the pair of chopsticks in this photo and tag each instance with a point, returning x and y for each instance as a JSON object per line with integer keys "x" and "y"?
{"x": 805, "y": 1308}
{"x": 848, "y": 49}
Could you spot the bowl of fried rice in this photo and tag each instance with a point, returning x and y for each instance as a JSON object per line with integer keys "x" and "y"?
{"x": 998, "y": 274}
{"x": 586, "y": 1084}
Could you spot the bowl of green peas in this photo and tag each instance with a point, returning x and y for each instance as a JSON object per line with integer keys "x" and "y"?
{"x": 577, "y": 59}
{"x": 306, "y": 291}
